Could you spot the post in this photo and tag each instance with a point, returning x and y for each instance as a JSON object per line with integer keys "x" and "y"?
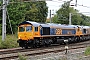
{"x": 4, "y": 21}
{"x": 50, "y": 17}
{"x": 70, "y": 14}
{"x": 76, "y": 3}
{"x": 69, "y": 18}
{"x": 66, "y": 47}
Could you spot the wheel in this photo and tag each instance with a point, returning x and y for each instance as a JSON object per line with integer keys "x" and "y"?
{"x": 26, "y": 47}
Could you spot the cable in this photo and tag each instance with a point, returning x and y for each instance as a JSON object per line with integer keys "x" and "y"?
{"x": 83, "y": 6}
{"x": 85, "y": 12}
{"x": 58, "y": 1}
{"x": 9, "y": 21}
{"x": 54, "y": 5}
{"x": 36, "y": 1}
{"x": 1, "y": 6}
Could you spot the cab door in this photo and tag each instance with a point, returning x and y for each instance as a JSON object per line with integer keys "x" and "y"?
{"x": 79, "y": 31}
{"x": 36, "y": 31}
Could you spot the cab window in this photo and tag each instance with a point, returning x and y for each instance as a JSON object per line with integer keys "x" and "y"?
{"x": 36, "y": 29}
{"x": 28, "y": 28}
{"x": 21, "y": 29}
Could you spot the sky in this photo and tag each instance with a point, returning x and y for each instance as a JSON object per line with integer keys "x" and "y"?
{"x": 54, "y": 5}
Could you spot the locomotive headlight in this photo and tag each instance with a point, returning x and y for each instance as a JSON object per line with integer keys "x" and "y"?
{"x": 19, "y": 38}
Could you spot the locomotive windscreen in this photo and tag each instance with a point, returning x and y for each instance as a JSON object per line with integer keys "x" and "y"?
{"x": 21, "y": 29}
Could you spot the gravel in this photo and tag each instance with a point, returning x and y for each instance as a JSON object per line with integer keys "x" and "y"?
{"x": 75, "y": 54}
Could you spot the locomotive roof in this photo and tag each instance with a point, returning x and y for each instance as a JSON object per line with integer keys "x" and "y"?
{"x": 34, "y": 24}
{"x": 51, "y": 24}
{"x": 70, "y": 26}
{"x": 30, "y": 22}
{"x": 44, "y": 25}
{"x": 54, "y": 25}
{"x": 86, "y": 27}
{"x": 62, "y": 25}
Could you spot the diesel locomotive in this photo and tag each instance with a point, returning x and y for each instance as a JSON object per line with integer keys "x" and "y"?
{"x": 33, "y": 34}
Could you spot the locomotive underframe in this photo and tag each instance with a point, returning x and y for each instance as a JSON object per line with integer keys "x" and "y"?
{"x": 47, "y": 41}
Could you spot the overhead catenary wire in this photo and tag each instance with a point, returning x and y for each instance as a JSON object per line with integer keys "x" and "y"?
{"x": 34, "y": 1}
{"x": 58, "y": 1}
{"x": 52, "y": 1}
{"x": 83, "y": 6}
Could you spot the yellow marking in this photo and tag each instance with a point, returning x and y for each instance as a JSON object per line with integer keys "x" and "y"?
{"x": 58, "y": 31}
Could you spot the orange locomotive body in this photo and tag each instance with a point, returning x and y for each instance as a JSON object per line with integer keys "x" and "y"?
{"x": 33, "y": 34}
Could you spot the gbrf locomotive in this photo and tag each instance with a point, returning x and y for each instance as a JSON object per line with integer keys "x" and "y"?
{"x": 33, "y": 34}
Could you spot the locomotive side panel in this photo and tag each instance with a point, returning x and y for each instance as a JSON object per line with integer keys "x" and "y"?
{"x": 52, "y": 31}
{"x": 68, "y": 31}
{"x": 88, "y": 31}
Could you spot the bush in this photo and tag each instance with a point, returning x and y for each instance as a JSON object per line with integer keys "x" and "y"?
{"x": 9, "y": 42}
{"x": 22, "y": 57}
{"x": 87, "y": 51}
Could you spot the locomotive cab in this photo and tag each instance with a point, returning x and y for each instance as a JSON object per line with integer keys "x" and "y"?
{"x": 25, "y": 32}
{"x": 28, "y": 30}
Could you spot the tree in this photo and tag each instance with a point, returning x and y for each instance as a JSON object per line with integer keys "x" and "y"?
{"x": 55, "y": 19}
{"x": 38, "y": 12}
{"x": 86, "y": 20}
{"x": 0, "y": 18}
{"x": 63, "y": 14}
{"x": 21, "y": 11}
{"x": 76, "y": 19}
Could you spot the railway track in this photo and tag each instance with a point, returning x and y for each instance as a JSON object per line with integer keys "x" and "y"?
{"x": 13, "y": 53}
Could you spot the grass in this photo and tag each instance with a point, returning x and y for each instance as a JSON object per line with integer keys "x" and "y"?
{"x": 87, "y": 51}
{"x": 9, "y": 42}
{"x": 0, "y": 38}
{"x": 22, "y": 57}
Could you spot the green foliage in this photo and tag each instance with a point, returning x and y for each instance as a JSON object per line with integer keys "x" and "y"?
{"x": 76, "y": 20}
{"x": 62, "y": 16}
{"x": 9, "y": 42}
{"x": 48, "y": 21}
{"x": 0, "y": 19}
{"x": 22, "y": 57}
{"x": 38, "y": 12}
{"x": 86, "y": 20}
{"x": 20, "y": 11}
{"x": 63, "y": 13}
{"x": 55, "y": 19}
{"x": 87, "y": 51}
{"x": 0, "y": 28}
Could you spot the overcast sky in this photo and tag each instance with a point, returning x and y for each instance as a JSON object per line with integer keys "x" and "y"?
{"x": 56, "y": 4}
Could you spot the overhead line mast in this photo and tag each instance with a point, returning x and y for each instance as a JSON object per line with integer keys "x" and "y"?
{"x": 4, "y": 20}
